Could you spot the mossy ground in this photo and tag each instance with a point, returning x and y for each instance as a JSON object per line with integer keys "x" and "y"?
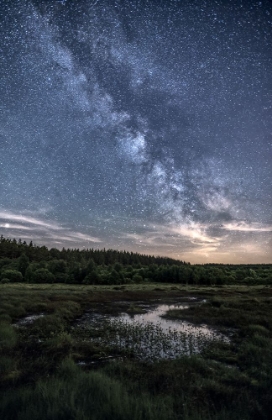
{"x": 39, "y": 377}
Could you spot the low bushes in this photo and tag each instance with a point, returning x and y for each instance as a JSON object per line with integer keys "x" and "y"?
{"x": 73, "y": 394}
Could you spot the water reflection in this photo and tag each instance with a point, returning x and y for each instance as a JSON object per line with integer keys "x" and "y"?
{"x": 27, "y": 320}
{"x": 155, "y": 317}
{"x": 149, "y": 336}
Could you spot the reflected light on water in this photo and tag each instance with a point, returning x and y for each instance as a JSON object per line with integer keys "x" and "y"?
{"x": 155, "y": 317}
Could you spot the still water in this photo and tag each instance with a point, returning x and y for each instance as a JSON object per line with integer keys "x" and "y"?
{"x": 149, "y": 336}
{"x": 154, "y": 316}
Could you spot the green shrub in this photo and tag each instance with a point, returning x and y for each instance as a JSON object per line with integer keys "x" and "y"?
{"x": 61, "y": 278}
{"x": 42, "y": 275}
{"x": 250, "y": 280}
{"x": 69, "y": 310}
{"x": 261, "y": 341}
{"x": 257, "y": 329}
{"x": 17, "y": 311}
{"x": 7, "y": 336}
{"x": 12, "y": 275}
{"x": 137, "y": 278}
{"x": 4, "y": 281}
{"x": 47, "y": 327}
{"x": 61, "y": 343}
{"x": 92, "y": 278}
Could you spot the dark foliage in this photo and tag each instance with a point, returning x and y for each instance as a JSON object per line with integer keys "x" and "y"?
{"x": 20, "y": 261}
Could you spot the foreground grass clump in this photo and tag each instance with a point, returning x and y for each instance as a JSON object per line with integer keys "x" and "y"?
{"x": 200, "y": 389}
{"x": 73, "y": 394}
{"x": 7, "y": 336}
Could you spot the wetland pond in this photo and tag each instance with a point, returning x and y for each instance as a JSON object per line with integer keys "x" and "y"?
{"x": 141, "y": 330}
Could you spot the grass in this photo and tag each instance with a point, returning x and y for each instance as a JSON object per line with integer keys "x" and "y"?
{"x": 134, "y": 309}
{"x": 40, "y": 378}
{"x": 7, "y": 336}
{"x": 230, "y": 311}
{"x": 73, "y": 394}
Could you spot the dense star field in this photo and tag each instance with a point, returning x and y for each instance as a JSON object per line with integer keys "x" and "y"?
{"x": 138, "y": 125}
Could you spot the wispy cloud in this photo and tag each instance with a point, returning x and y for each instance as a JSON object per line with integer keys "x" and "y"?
{"x": 11, "y": 217}
{"x": 42, "y": 231}
{"x": 14, "y": 226}
{"x": 197, "y": 233}
{"x": 173, "y": 236}
{"x": 202, "y": 242}
{"x": 246, "y": 227}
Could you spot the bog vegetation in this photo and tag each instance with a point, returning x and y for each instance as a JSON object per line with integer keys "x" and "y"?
{"x": 50, "y": 368}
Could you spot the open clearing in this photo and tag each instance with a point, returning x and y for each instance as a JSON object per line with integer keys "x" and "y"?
{"x": 79, "y": 339}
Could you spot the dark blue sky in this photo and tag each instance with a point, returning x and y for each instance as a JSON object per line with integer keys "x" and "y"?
{"x": 138, "y": 125}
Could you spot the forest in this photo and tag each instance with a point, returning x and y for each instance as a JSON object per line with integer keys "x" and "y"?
{"x": 22, "y": 262}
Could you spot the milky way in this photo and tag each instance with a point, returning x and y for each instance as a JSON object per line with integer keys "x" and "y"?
{"x": 138, "y": 125}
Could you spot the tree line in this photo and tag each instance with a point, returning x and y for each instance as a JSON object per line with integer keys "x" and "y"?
{"x": 22, "y": 262}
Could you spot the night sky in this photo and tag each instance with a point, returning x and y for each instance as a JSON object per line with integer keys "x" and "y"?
{"x": 138, "y": 125}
